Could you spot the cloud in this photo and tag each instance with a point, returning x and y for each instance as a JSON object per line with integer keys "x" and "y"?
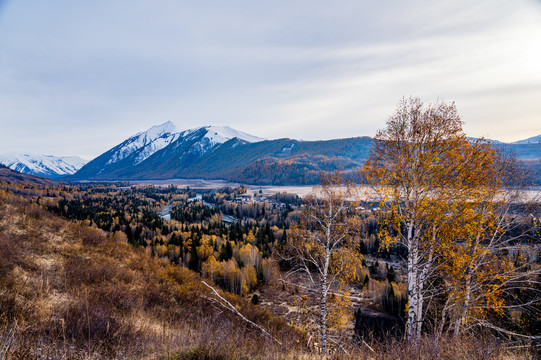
{"x": 90, "y": 74}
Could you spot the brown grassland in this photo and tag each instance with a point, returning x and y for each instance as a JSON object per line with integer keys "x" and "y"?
{"x": 69, "y": 291}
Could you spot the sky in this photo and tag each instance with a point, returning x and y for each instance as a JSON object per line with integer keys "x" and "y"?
{"x": 79, "y": 77}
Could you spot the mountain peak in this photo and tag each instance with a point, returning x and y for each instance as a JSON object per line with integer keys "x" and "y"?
{"x": 145, "y": 143}
{"x": 158, "y": 130}
{"x": 180, "y": 147}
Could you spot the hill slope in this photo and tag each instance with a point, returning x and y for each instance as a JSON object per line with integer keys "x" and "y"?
{"x": 532, "y": 140}
{"x": 280, "y": 162}
{"x": 71, "y": 291}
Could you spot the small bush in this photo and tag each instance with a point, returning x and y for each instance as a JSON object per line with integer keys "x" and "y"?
{"x": 80, "y": 270}
{"x": 93, "y": 237}
{"x": 33, "y": 211}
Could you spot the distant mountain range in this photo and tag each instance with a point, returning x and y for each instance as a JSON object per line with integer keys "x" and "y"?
{"x": 213, "y": 152}
{"x": 220, "y": 152}
{"x": 12, "y": 176}
{"x": 532, "y": 140}
{"x": 42, "y": 165}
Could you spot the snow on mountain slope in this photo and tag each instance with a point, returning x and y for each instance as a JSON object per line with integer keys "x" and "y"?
{"x": 158, "y": 130}
{"x": 146, "y": 143}
{"x": 156, "y": 138}
{"x": 221, "y": 134}
{"x": 75, "y": 161}
{"x": 208, "y": 137}
{"x": 532, "y": 140}
{"x": 160, "y": 147}
{"x": 42, "y": 165}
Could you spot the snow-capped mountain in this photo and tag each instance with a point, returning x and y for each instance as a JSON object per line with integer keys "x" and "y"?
{"x": 43, "y": 165}
{"x": 162, "y": 149}
{"x": 220, "y": 152}
{"x": 144, "y": 144}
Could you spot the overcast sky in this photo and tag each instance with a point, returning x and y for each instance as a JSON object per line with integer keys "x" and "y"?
{"x": 79, "y": 77}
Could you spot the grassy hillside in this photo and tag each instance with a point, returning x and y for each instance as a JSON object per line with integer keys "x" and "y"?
{"x": 70, "y": 291}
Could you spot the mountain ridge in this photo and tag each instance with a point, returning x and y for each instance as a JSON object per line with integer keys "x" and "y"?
{"x": 531, "y": 140}
{"x": 193, "y": 155}
{"x": 212, "y": 152}
{"x": 42, "y": 165}
{"x": 163, "y": 148}
{"x": 221, "y": 152}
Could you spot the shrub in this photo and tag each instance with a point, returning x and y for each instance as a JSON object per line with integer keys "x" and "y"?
{"x": 93, "y": 237}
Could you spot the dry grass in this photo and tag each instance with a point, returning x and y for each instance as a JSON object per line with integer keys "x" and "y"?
{"x": 480, "y": 348}
{"x": 69, "y": 292}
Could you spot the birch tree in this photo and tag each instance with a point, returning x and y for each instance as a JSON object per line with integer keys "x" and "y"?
{"x": 480, "y": 265}
{"x": 421, "y": 166}
{"x": 321, "y": 248}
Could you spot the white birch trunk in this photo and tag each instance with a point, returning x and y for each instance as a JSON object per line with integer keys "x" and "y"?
{"x": 413, "y": 285}
{"x": 323, "y": 317}
{"x": 324, "y": 285}
{"x": 441, "y": 325}
{"x": 323, "y": 304}
{"x": 419, "y": 310}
